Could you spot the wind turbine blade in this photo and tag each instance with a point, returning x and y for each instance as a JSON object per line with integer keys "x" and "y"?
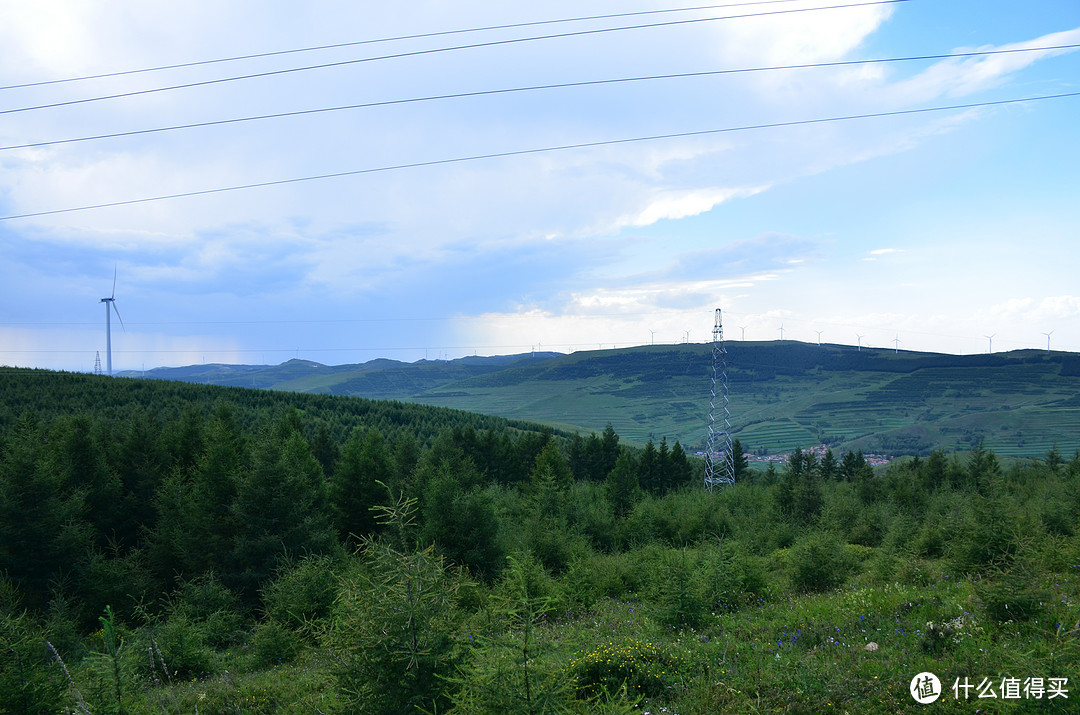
{"x": 118, "y": 314}
{"x": 113, "y": 295}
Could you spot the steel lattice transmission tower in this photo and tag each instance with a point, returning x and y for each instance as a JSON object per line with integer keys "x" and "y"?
{"x": 719, "y": 459}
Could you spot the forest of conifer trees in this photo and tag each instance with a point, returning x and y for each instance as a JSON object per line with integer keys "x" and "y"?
{"x": 167, "y": 548}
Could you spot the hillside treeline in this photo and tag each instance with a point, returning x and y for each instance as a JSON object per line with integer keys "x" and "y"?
{"x": 168, "y": 548}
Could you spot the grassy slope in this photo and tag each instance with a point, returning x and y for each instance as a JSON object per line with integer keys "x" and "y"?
{"x": 782, "y": 394}
{"x": 786, "y": 395}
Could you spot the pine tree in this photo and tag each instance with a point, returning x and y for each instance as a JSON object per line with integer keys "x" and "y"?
{"x": 550, "y": 464}
{"x": 280, "y": 510}
{"x": 325, "y": 449}
{"x": 462, "y": 524}
{"x": 621, "y": 486}
{"x": 983, "y": 467}
{"x": 609, "y": 451}
{"x": 79, "y": 465}
{"x": 355, "y": 487}
{"x": 394, "y": 621}
{"x": 830, "y": 470}
{"x": 406, "y": 453}
{"x": 577, "y": 457}
{"x": 41, "y": 530}
{"x": 934, "y": 470}
{"x": 665, "y": 478}
{"x": 682, "y": 472}
{"x": 141, "y": 464}
{"x": 800, "y": 495}
{"x": 649, "y": 469}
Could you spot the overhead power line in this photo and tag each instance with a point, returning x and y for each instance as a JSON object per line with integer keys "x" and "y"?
{"x": 493, "y": 43}
{"x": 419, "y": 36}
{"x": 540, "y": 150}
{"x": 530, "y": 88}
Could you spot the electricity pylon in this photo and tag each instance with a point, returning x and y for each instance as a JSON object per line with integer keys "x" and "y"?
{"x": 719, "y": 459}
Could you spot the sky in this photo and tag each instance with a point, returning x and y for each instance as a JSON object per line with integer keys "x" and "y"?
{"x": 910, "y": 204}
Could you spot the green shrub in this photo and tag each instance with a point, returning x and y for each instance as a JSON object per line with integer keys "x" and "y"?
{"x": 989, "y": 536}
{"x": 818, "y": 563}
{"x": 120, "y": 581}
{"x": 554, "y": 545}
{"x": 302, "y": 594}
{"x": 209, "y": 603}
{"x": 590, "y": 513}
{"x": 393, "y": 629}
{"x": 505, "y": 671}
{"x": 27, "y": 683}
{"x": 1014, "y": 594}
{"x": 644, "y": 668}
{"x": 680, "y": 518}
{"x": 185, "y": 646}
{"x": 273, "y": 643}
{"x": 594, "y": 576}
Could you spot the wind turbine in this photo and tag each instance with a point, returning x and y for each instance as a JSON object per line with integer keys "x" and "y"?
{"x": 896, "y": 344}
{"x": 991, "y": 339}
{"x": 110, "y": 301}
{"x": 781, "y": 331}
{"x": 819, "y": 332}
{"x": 1048, "y": 339}
{"x": 743, "y": 329}
{"x": 652, "y": 336}
{"x": 860, "y": 337}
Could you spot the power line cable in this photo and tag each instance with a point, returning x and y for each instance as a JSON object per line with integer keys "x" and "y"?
{"x": 531, "y": 88}
{"x": 415, "y": 53}
{"x": 425, "y": 35}
{"x": 541, "y": 150}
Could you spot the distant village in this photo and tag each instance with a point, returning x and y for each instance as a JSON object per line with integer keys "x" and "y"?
{"x": 818, "y": 451}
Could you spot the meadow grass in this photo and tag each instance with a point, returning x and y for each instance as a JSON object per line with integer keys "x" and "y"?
{"x": 852, "y": 649}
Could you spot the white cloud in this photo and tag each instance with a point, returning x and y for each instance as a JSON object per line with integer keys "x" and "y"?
{"x": 798, "y": 37}
{"x": 680, "y": 204}
{"x": 964, "y": 76}
{"x": 1012, "y": 308}
{"x": 1062, "y": 306}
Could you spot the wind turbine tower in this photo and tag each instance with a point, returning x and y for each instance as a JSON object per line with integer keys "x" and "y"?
{"x": 719, "y": 459}
{"x": 860, "y": 337}
{"x": 110, "y": 306}
{"x": 991, "y": 339}
{"x": 1048, "y": 340}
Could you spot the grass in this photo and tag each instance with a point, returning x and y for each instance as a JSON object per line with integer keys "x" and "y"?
{"x": 850, "y": 650}
{"x": 304, "y": 687}
{"x": 809, "y": 653}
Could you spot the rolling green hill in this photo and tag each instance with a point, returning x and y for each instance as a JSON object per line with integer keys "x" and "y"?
{"x": 783, "y": 394}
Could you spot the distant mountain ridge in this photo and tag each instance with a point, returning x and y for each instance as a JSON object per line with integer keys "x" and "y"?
{"x": 783, "y": 394}
{"x": 381, "y": 378}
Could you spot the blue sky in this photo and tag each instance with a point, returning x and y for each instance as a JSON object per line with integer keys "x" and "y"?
{"x": 933, "y": 229}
